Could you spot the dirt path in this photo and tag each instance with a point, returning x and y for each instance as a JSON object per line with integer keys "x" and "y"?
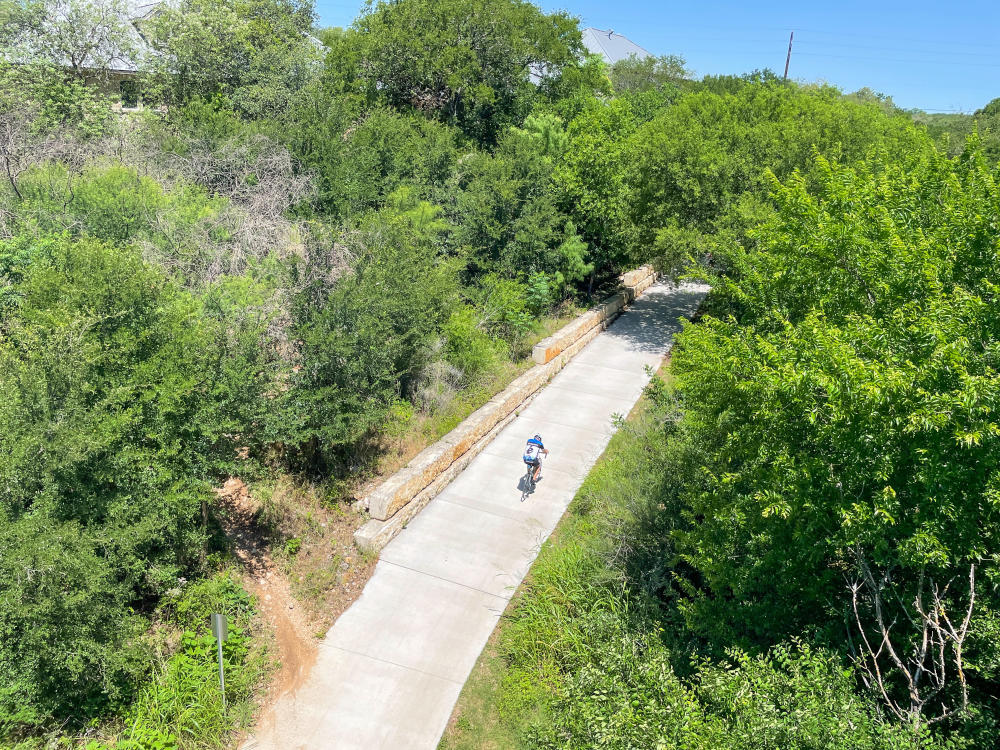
{"x": 302, "y": 595}
{"x": 292, "y": 627}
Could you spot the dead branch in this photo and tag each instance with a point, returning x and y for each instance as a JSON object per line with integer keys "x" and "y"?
{"x": 934, "y": 654}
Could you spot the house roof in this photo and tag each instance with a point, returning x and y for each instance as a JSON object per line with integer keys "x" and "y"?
{"x": 135, "y": 12}
{"x": 611, "y": 46}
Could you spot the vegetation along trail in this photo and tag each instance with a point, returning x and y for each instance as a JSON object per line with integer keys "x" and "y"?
{"x": 391, "y": 668}
{"x": 250, "y": 267}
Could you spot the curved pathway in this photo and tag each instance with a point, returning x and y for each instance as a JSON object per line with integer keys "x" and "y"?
{"x": 390, "y": 669}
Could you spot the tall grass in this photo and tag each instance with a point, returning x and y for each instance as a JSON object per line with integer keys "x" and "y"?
{"x": 181, "y": 706}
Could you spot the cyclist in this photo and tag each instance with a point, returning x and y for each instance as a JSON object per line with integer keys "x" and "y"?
{"x": 533, "y": 455}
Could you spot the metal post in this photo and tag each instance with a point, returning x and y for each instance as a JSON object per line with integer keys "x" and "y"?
{"x": 222, "y": 678}
{"x": 220, "y": 632}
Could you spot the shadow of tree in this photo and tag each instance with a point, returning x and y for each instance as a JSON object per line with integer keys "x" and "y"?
{"x": 653, "y": 322}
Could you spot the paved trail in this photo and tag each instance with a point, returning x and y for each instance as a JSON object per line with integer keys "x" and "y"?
{"x": 391, "y": 668}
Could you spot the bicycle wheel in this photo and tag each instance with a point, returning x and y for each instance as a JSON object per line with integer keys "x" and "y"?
{"x": 528, "y": 483}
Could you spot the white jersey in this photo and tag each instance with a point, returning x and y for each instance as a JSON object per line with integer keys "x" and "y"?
{"x": 533, "y": 451}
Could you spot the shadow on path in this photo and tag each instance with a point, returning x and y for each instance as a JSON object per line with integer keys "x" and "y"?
{"x": 653, "y": 322}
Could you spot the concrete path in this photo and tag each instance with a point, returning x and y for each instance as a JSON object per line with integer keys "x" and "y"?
{"x": 390, "y": 670}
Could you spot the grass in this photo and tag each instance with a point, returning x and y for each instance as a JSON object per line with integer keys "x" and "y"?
{"x": 180, "y": 707}
{"x": 312, "y": 544}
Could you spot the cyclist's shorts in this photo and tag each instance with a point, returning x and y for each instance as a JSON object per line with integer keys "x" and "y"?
{"x": 532, "y": 460}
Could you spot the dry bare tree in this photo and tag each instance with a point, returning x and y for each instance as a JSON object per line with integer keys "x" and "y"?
{"x": 916, "y": 646}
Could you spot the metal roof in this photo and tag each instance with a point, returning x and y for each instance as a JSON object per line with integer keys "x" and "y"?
{"x": 611, "y": 46}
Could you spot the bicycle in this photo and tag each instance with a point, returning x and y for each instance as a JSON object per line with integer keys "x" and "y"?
{"x": 528, "y": 482}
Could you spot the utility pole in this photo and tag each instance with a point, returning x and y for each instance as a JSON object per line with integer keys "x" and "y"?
{"x": 788, "y": 59}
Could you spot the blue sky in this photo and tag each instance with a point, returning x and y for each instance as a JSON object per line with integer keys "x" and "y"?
{"x": 935, "y": 56}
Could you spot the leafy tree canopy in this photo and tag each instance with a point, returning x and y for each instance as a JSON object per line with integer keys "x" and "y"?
{"x": 255, "y": 53}
{"x": 640, "y": 74}
{"x": 467, "y": 62}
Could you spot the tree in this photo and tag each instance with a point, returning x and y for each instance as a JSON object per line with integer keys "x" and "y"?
{"x": 256, "y": 53}
{"x": 85, "y": 37}
{"x": 506, "y": 208}
{"x": 121, "y": 396}
{"x": 591, "y": 178}
{"x": 635, "y": 73}
{"x": 466, "y": 62}
{"x": 70, "y": 645}
{"x": 359, "y": 158}
{"x": 694, "y": 160}
{"x": 362, "y": 337}
{"x": 987, "y": 122}
{"x": 844, "y": 400}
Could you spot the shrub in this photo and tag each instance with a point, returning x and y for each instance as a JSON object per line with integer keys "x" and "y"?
{"x": 68, "y": 638}
{"x": 117, "y": 404}
{"x": 363, "y": 340}
{"x": 181, "y": 707}
{"x": 469, "y": 347}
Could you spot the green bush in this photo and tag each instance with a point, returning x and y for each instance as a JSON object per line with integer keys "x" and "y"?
{"x": 181, "y": 706}
{"x": 118, "y": 403}
{"x": 359, "y": 159}
{"x": 628, "y": 696}
{"x": 469, "y": 347}
{"x": 693, "y": 160}
{"x": 845, "y": 399}
{"x": 190, "y": 606}
{"x": 503, "y": 306}
{"x": 364, "y": 340}
{"x": 69, "y": 642}
{"x": 185, "y": 229}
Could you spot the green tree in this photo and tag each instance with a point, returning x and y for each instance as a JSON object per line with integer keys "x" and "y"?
{"x": 466, "y": 62}
{"x": 591, "y": 178}
{"x": 506, "y": 210}
{"x": 256, "y": 53}
{"x": 85, "y": 37}
{"x": 694, "y": 160}
{"x": 120, "y": 397}
{"x": 363, "y": 338}
{"x": 641, "y": 74}
{"x": 844, "y": 398}
{"x": 359, "y": 158}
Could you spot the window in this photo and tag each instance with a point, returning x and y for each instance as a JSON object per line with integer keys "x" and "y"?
{"x": 130, "y": 93}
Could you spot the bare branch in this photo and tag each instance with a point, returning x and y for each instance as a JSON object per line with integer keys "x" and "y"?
{"x": 930, "y": 652}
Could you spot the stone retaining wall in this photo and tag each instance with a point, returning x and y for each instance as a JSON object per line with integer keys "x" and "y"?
{"x": 634, "y": 283}
{"x": 400, "y": 497}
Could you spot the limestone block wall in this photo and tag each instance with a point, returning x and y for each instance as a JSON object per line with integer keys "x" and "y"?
{"x": 400, "y": 497}
{"x": 634, "y": 283}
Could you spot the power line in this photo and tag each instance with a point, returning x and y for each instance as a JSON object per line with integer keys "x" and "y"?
{"x": 962, "y": 43}
{"x": 994, "y": 55}
{"x": 822, "y": 44}
{"x": 918, "y": 61}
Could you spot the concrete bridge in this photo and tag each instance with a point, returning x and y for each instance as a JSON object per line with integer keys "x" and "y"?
{"x": 390, "y": 669}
